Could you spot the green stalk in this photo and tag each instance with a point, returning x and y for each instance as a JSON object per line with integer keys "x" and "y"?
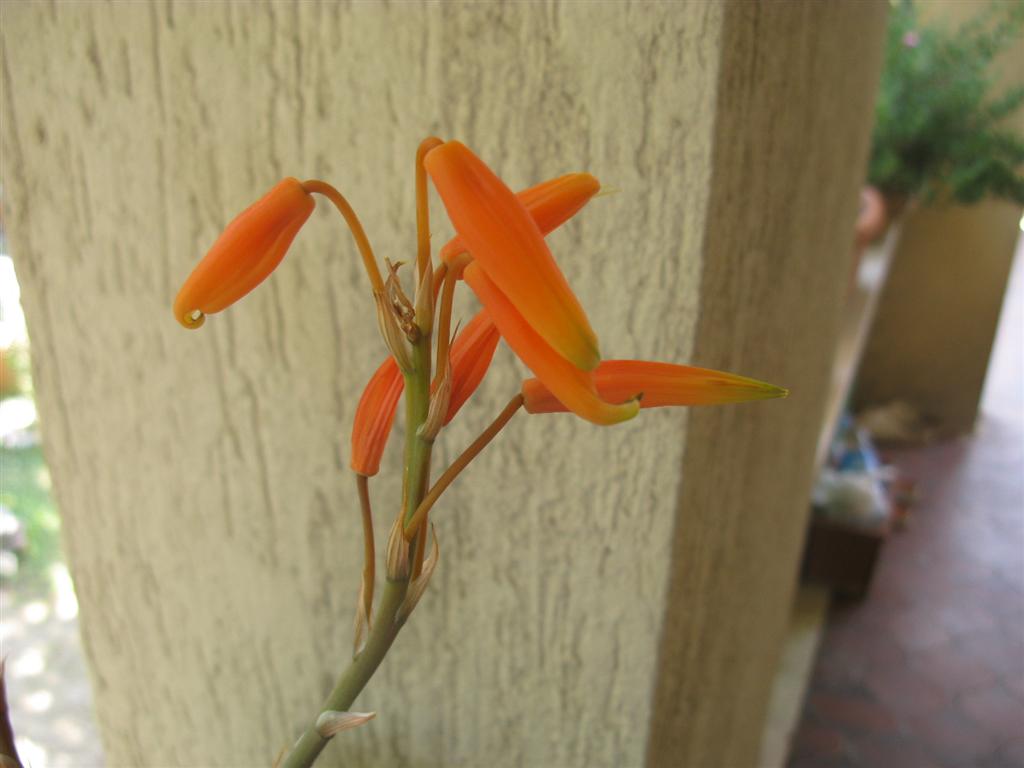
{"x": 417, "y": 450}
{"x": 386, "y": 624}
{"x": 354, "y": 679}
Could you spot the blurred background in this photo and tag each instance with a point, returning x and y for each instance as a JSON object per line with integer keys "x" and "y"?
{"x": 901, "y": 611}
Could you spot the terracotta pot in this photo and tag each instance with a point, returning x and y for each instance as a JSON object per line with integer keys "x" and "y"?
{"x": 872, "y": 218}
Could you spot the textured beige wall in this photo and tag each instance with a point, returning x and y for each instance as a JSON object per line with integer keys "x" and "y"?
{"x": 209, "y": 517}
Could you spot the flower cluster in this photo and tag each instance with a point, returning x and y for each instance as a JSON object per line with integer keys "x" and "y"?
{"x": 526, "y": 301}
{"x": 499, "y": 251}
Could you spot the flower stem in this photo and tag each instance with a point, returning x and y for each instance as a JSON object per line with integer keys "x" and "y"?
{"x": 388, "y": 622}
{"x": 414, "y": 525}
{"x": 369, "y": 556}
{"x": 362, "y": 242}
{"x": 356, "y": 676}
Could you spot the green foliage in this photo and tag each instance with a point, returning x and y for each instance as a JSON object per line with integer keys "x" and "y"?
{"x": 939, "y": 132}
{"x": 25, "y": 490}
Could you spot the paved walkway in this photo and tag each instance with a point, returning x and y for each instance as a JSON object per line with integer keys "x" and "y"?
{"x": 929, "y": 670}
{"x": 47, "y": 685}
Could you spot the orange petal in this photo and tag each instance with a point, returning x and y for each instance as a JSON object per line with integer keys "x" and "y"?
{"x": 550, "y": 203}
{"x": 506, "y": 243}
{"x": 245, "y": 254}
{"x": 471, "y": 355}
{"x": 570, "y": 385}
{"x": 374, "y": 416}
{"x": 662, "y": 384}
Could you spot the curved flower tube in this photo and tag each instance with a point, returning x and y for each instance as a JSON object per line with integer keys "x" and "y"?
{"x": 662, "y": 384}
{"x": 570, "y": 385}
{"x": 248, "y": 250}
{"x": 506, "y": 243}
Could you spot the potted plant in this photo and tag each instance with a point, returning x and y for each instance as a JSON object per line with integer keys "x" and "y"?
{"x": 939, "y": 132}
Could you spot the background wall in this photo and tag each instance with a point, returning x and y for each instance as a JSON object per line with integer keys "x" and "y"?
{"x": 625, "y": 604}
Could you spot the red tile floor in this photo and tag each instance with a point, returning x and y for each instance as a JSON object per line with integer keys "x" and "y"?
{"x": 929, "y": 669}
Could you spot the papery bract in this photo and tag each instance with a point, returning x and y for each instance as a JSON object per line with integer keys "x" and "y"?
{"x": 248, "y": 250}
{"x": 471, "y": 355}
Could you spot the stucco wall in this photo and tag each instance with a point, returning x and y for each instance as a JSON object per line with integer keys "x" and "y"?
{"x": 624, "y": 610}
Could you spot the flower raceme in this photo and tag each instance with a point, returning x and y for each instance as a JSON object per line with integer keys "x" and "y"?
{"x": 527, "y": 300}
{"x": 499, "y": 251}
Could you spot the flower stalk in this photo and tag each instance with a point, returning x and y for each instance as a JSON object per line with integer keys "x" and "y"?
{"x": 499, "y": 251}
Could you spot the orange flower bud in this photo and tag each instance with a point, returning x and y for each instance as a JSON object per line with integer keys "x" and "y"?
{"x": 374, "y": 416}
{"x": 245, "y": 254}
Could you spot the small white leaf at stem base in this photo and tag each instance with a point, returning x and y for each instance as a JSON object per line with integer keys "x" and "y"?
{"x": 330, "y": 722}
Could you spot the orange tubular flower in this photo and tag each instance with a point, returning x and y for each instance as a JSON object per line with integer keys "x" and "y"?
{"x": 662, "y": 384}
{"x": 245, "y": 253}
{"x": 550, "y": 203}
{"x": 499, "y": 232}
{"x": 374, "y": 416}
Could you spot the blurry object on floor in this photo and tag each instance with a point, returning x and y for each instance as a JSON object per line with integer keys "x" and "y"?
{"x": 849, "y": 490}
{"x": 896, "y": 423}
{"x": 940, "y": 130}
{"x": 851, "y": 514}
{"x": 852, "y": 499}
